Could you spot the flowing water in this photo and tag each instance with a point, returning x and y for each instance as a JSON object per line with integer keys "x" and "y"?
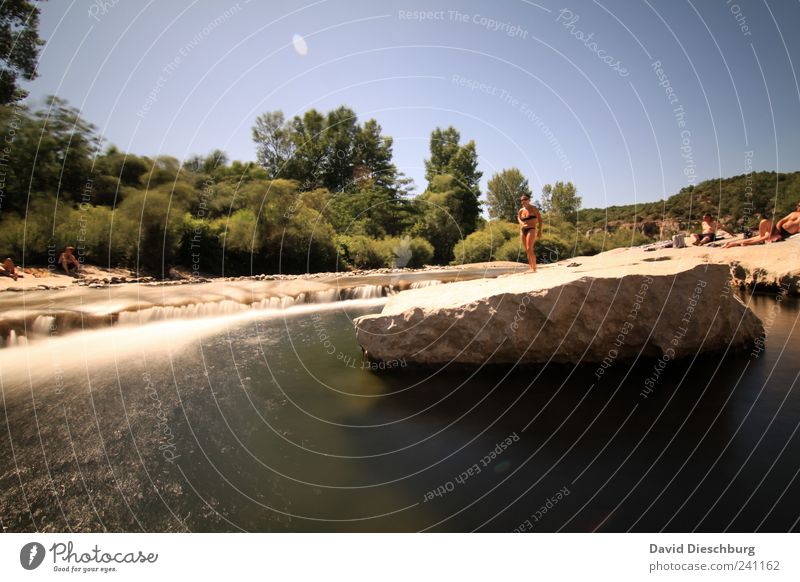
{"x": 267, "y": 419}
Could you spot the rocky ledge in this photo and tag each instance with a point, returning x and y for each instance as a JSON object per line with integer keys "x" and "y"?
{"x": 653, "y": 309}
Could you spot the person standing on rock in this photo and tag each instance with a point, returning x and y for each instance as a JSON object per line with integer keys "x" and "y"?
{"x": 530, "y": 228}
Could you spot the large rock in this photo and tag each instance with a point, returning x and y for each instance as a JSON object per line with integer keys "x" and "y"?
{"x": 666, "y": 308}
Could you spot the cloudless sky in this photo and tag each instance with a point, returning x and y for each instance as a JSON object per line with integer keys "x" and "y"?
{"x": 185, "y": 77}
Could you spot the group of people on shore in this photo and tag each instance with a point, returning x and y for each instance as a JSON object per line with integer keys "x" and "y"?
{"x": 530, "y": 229}
{"x": 531, "y": 223}
{"x": 67, "y": 260}
{"x": 768, "y": 230}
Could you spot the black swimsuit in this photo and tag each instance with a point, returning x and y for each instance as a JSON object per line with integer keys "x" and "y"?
{"x": 527, "y": 228}
{"x": 785, "y": 233}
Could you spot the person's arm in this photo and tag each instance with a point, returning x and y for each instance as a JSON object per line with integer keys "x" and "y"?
{"x": 539, "y": 224}
{"x": 781, "y": 222}
{"x": 519, "y": 218}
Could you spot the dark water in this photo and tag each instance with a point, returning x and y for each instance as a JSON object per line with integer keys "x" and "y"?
{"x": 273, "y": 425}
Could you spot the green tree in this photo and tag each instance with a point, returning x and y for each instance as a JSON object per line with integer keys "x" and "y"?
{"x": 503, "y": 192}
{"x": 447, "y": 214}
{"x": 563, "y": 201}
{"x": 19, "y": 47}
{"x": 444, "y": 147}
{"x": 373, "y": 157}
{"x": 545, "y": 203}
{"x": 459, "y": 164}
{"x": 274, "y": 144}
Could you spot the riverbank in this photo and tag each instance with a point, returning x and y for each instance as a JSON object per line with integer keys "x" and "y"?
{"x": 764, "y": 267}
{"x": 43, "y": 279}
{"x": 761, "y": 267}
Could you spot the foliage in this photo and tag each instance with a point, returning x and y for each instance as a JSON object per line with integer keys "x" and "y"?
{"x": 363, "y": 252}
{"x": 19, "y": 45}
{"x": 562, "y": 200}
{"x": 324, "y": 195}
{"x": 503, "y": 192}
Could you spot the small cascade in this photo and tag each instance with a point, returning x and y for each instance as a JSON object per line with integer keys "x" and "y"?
{"x": 191, "y": 311}
{"x": 14, "y": 332}
{"x": 329, "y": 296}
{"x": 422, "y": 284}
{"x": 43, "y": 324}
{"x": 274, "y": 303}
{"x": 365, "y": 292}
{"x": 13, "y": 339}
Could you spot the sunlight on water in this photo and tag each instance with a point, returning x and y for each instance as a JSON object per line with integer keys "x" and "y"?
{"x": 39, "y": 360}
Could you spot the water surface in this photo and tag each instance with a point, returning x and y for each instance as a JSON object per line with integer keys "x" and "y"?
{"x": 271, "y": 421}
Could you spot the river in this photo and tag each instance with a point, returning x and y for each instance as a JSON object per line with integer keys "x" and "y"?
{"x": 269, "y": 420}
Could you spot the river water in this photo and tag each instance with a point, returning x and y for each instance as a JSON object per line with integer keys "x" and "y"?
{"x": 269, "y": 420}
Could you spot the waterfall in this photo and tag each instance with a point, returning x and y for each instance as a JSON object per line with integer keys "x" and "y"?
{"x": 421, "y": 284}
{"x": 15, "y": 331}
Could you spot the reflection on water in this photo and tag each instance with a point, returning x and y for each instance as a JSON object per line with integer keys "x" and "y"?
{"x": 274, "y": 423}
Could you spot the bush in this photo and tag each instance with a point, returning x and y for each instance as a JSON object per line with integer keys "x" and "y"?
{"x": 409, "y": 252}
{"x": 359, "y": 252}
{"x": 485, "y": 244}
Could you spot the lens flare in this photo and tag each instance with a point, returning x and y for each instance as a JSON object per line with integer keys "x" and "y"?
{"x": 299, "y": 44}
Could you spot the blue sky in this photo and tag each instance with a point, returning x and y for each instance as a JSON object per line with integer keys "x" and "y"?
{"x": 563, "y": 91}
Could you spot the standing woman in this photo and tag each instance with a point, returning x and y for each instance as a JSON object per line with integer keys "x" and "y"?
{"x": 530, "y": 225}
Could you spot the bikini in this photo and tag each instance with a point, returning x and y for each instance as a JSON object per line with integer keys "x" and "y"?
{"x": 527, "y": 228}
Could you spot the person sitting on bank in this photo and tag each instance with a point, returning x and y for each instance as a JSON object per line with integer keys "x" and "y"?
{"x": 9, "y": 269}
{"x": 788, "y": 225}
{"x": 767, "y": 232}
{"x": 708, "y": 231}
{"x": 69, "y": 262}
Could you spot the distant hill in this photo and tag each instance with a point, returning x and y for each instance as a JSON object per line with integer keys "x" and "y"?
{"x": 737, "y": 201}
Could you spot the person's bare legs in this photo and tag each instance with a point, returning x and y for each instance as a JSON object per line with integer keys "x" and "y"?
{"x": 765, "y": 234}
{"x": 530, "y": 239}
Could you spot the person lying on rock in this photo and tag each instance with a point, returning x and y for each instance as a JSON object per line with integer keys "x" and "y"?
{"x": 69, "y": 262}
{"x": 530, "y": 228}
{"x": 789, "y": 225}
{"x": 9, "y": 269}
{"x": 767, "y": 232}
{"x": 708, "y": 230}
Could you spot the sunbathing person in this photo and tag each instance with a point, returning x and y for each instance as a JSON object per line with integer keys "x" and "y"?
{"x": 9, "y": 269}
{"x": 789, "y": 225}
{"x": 708, "y": 230}
{"x": 767, "y": 232}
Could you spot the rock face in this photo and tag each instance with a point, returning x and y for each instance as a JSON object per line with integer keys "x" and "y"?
{"x": 656, "y": 309}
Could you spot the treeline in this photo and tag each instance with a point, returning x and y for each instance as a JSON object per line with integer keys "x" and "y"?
{"x": 337, "y": 201}
{"x": 738, "y": 201}
{"x": 323, "y": 194}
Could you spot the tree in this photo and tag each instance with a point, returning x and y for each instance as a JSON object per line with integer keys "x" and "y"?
{"x": 19, "y": 47}
{"x": 564, "y": 200}
{"x": 444, "y": 147}
{"x": 274, "y": 143}
{"x": 503, "y": 192}
{"x": 373, "y": 157}
{"x": 453, "y": 168}
{"x": 448, "y": 212}
{"x": 546, "y": 201}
